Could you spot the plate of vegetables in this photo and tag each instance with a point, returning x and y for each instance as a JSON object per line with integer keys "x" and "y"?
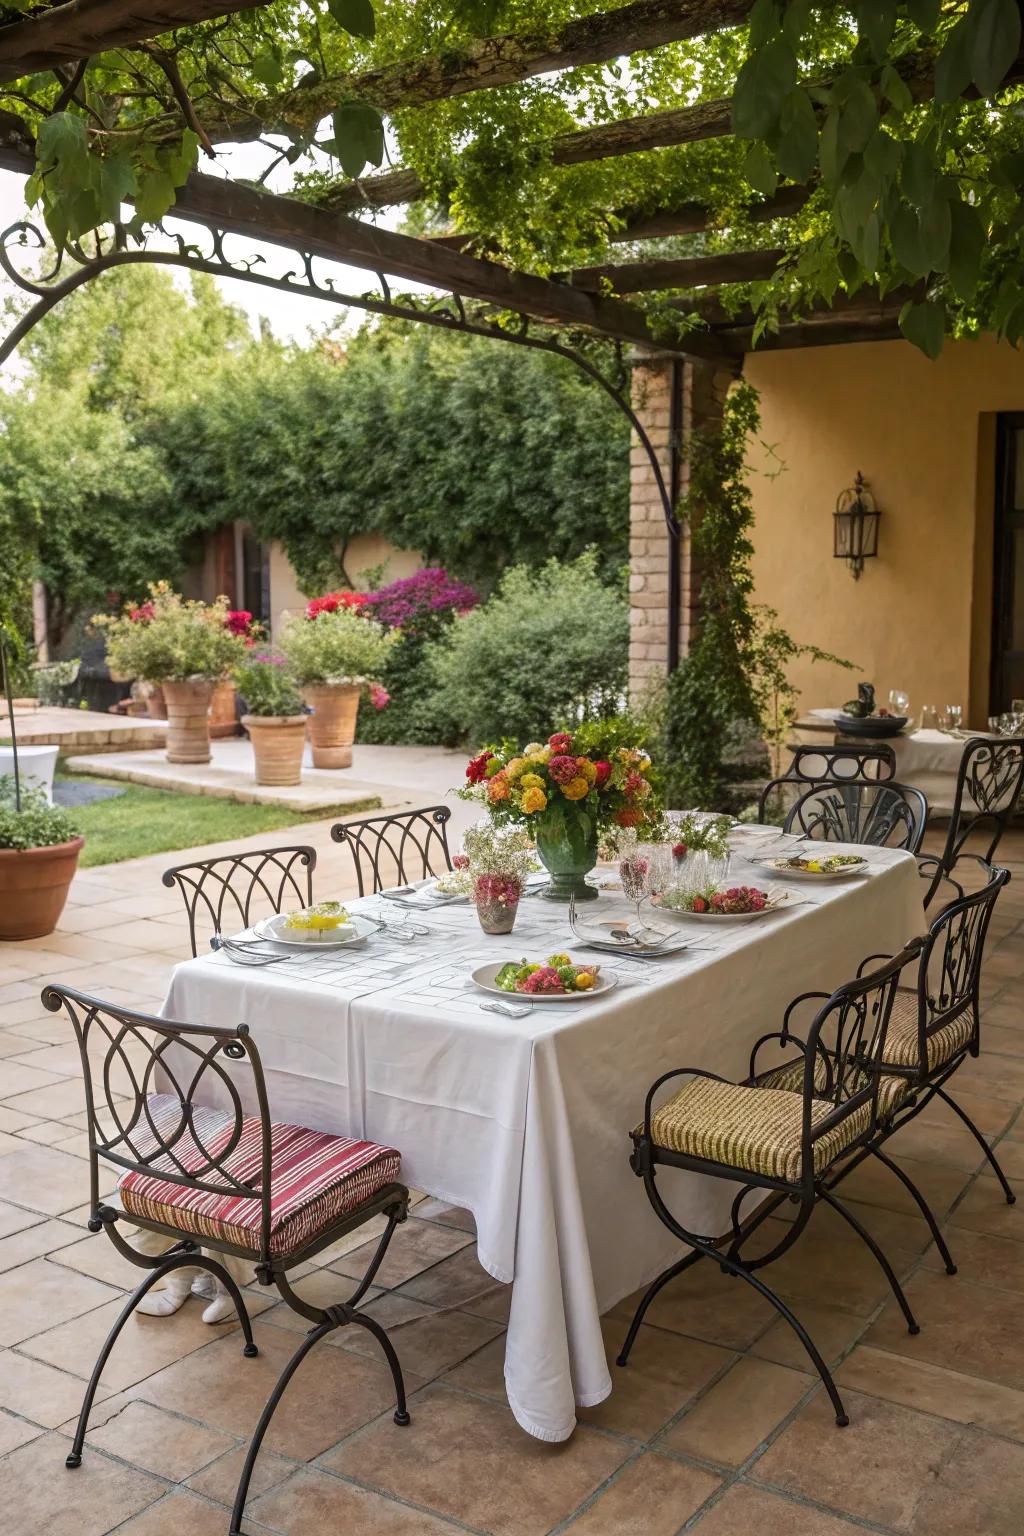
{"x": 558, "y": 979}
{"x": 326, "y": 924}
{"x": 731, "y": 904}
{"x": 821, "y": 866}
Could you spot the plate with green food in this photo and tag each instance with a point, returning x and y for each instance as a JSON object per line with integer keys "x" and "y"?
{"x": 820, "y": 866}
{"x": 558, "y": 979}
{"x": 325, "y": 925}
{"x": 729, "y": 904}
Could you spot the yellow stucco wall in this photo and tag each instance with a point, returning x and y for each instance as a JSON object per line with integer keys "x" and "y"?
{"x": 923, "y": 435}
{"x": 363, "y": 553}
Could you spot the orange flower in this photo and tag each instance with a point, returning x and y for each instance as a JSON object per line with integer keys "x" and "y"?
{"x": 534, "y": 800}
{"x": 576, "y": 788}
{"x": 586, "y": 769}
{"x": 497, "y": 788}
{"x": 629, "y": 817}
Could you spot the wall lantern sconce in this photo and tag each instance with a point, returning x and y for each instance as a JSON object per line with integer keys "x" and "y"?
{"x": 855, "y": 526}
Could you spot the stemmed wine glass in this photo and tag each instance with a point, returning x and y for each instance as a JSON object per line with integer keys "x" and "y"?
{"x": 899, "y": 702}
{"x": 643, "y": 870}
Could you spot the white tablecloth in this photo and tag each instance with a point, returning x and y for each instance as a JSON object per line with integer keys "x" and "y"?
{"x": 525, "y": 1121}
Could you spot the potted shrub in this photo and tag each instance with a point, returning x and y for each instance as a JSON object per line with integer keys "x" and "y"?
{"x": 274, "y": 718}
{"x": 186, "y": 647}
{"x": 334, "y": 654}
{"x": 39, "y": 850}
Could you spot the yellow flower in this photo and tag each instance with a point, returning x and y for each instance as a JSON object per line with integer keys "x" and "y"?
{"x": 515, "y": 766}
{"x": 534, "y": 800}
{"x": 532, "y": 747}
{"x": 541, "y": 755}
{"x": 576, "y": 788}
{"x": 531, "y": 781}
{"x": 586, "y": 769}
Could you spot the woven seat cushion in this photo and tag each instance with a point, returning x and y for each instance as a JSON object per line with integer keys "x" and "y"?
{"x": 901, "y": 1042}
{"x": 753, "y": 1128}
{"x": 892, "y": 1091}
{"x": 315, "y": 1180}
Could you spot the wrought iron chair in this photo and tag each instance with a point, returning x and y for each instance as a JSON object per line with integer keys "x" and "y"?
{"x": 237, "y": 887}
{"x": 818, "y": 765}
{"x": 763, "y": 1136}
{"x": 989, "y": 782}
{"x": 861, "y": 811}
{"x": 238, "y": 1184}
{"x": 397, "y": 849}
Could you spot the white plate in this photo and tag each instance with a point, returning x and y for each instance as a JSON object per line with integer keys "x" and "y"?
{"x": 781, "y": 867}
{"x": 484, "y": 977}
{"x": 777, "y": 900}
{"x": 356, "y": 931}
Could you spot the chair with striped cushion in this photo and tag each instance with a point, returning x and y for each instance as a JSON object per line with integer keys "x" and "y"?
{"x": 181, "y": 1112}
{"x": 784, "y": 1130}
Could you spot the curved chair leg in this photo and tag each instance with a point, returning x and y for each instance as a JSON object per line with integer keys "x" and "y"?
{"x": 176, "y": 1261}
{"x": 372, "y": 1326}
{"x": 312, "y": 1338}
{"x": 923, "y": 1207}
{"x": 652, "y": 1290}
{"x": 1011, "y": 1198}
{"x": 890, "y": 1274}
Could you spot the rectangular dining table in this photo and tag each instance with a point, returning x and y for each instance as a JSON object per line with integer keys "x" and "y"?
{"x": 525, "y": 1121}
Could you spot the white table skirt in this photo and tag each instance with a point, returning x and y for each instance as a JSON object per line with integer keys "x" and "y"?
{"x": 525, "y": 1121}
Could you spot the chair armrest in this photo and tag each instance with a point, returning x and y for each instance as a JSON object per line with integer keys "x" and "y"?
{"x": 868, "y": 959}
{"x": 667, "y": 1077}
{"x": 784, "y": 1038}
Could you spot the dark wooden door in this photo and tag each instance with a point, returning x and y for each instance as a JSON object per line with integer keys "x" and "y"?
{"x": 1008, "y": 586}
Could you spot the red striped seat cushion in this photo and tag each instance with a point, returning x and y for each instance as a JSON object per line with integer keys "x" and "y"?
{"x": 315, "y": 1180}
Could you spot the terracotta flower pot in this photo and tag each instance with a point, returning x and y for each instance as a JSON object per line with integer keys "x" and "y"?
{"x": 223, "y": 710}
{"x": 156, "y": 704}
{"x": 277, "y": 744}
{"x": 34, "y": 887}
{"x": 188, "y": 720}
{"x": 332, "y": 725}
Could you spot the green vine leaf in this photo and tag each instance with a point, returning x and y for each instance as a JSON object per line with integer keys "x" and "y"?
{"x": 761, "y": 86}
{"x": 924, "y": 325}
{"x": 967, "y": 242}
{"x": 358, "y": 137}
{"x": 995, "y": 41}
{"x": 355, "y": 16}
{"x": 760, "y": 170}
{"x": 797, "y": 146}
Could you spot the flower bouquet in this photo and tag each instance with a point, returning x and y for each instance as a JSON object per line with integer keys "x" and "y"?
{"x": 491, "y": 871}
{"x": 568, "y": 793}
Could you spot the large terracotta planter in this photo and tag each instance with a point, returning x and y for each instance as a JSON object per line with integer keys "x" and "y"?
{"x": 278, "y": 742}
{"x": 223, "y": 711}
{"x": 188, "y": 720}
{"x": 332, "y": 725}
{"x": 156, "y": 704}
{"x": 34, "y": 887}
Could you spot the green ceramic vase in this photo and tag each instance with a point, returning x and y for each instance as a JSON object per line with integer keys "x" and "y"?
{"x": 568, "y": 852}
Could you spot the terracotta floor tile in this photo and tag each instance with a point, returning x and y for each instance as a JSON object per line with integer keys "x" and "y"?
{"x": 146, "y": 1344}
{"x": 463, "y": 1458}
{"x": 1000, "y": 1040}
{"x": 415, "y": 1246}
{"x": 220, "y": 1480}
{"x": 15, "y": 1432}
{"x": 965, "y": 1327}
{"x": 664, "y": 1372}
{"x": 15, "y": 1078}
{"x": 1010, "y": 1153}
{"x": 989, "y": 1114}
{"x": 42, "y": 1392}
{"x": 988, "y": 1260}
{"x": 652, "y": 1496}
{"x": 742, "y": 1511}
{"x": 452, "y": 1283}
{"x": 39, "y": 1295}
{"x": 874, "y": 1184}
{"x": 933, "y": 1389}
{"x": 334, "y": 1393}
{"x": 705, "y": 1304}
{"x": 427, "y": 1345}
{"x": 177, "y": 1514}
{"x": 313, "y": 1503}
{"x": 980, "y": 1488}
{"x": 34, "y": 1242}
{"x": 930, "y": 1141}
{"x": 447, "y": 1215}
{"x": 160, "y": 1442}
{"x": 43, "y": 1179}
{"x": 51, "y": 1501}
{"x": 731, "y": 1420}
{"x": 983, "y": 1209}
{"x": 876, "y": 1469}
{"x": 96, "y": 1255}
{"x": 826, "y": 1267}
{"x": 832, "y": 1330}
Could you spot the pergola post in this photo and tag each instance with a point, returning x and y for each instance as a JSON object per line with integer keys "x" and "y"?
{"x": 672, "y": 397}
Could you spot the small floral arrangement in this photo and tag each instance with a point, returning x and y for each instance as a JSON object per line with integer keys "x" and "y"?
{"x": 501, "y": 857}
{"x": 697, "y": 833}
{"x": 267, "y": 686}
{"x": 555, "y": 778}
{"x": 737, "y": 900}
{"x": 171, "y": 639}
{"x": 337, "y": 645}
{"x": 556, "y": 977}
{"x": 332, "y": 601}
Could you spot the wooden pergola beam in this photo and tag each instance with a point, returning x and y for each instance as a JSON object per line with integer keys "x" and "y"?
{"x": 687, "y": 272}
{"x": 813, "y": 334}
{"x": 693, "y": 218}
{"x": 85, "y": 27}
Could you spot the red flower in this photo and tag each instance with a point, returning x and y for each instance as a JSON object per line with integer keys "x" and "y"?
{"x": 629, "y": 817}
{"x": 699, "y": 904}
{"x": 238, "y": 621}
{"x": 562, "y": 768}
{"x": 679, "y": 850}
{"x": 142, "y": 614}
{"x": 476, "y": 768}
{"x": 561, "y": 741}
{"x": 634, "y": 783}
{"x": 332, "y": 601}
{"x": 604, "y": 773}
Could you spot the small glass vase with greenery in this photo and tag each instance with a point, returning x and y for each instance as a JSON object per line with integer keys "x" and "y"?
{"x": 267, "y": 686}
{"x": 170, "y": 638}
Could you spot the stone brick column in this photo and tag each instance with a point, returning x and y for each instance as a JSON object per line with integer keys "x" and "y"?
{"x": 672, "y": 397}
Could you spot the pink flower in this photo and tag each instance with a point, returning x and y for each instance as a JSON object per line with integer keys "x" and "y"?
{"x": 500, "y": 889}
{"x": 238, "y": 621}
{"x": 142, "y": 614}
{"x": 561, "y": 741}
{"x": 603, "y": 771}
{"x": 562, "y": 768}
{"x": 379, "y": 697}
{"x": 460, "y": 861}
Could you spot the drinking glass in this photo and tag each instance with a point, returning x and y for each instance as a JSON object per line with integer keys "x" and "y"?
{"x": 899, "y": 702}
{"x": 995, "y": 724}
{"x": 929, "y": 718}
{"x": 1017, "y": 705}
{"x": 1007, "y": 723}
{"x": 634, "y": 872}
{"x": 952, "y": 718}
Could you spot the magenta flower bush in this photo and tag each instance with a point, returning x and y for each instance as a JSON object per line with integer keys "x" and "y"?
{"x": 430, "y": 593}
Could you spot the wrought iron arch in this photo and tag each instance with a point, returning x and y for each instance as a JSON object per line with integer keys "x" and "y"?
{"x": 446, "y": 311}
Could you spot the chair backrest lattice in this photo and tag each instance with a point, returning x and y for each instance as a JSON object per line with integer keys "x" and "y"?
{"x": 886, "y": 815}
{"x": 949, "y": 974}
{"x": 396, "y": 850}
{"x": 230, "y": 892}
{"x": 989, "y": 784}
{"x": 819, "y": 765}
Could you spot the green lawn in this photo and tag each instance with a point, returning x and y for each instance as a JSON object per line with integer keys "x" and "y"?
{"x": 144, "y": 820}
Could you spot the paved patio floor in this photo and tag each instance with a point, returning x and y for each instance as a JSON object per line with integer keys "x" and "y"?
{"x": 716, "y": 1425}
